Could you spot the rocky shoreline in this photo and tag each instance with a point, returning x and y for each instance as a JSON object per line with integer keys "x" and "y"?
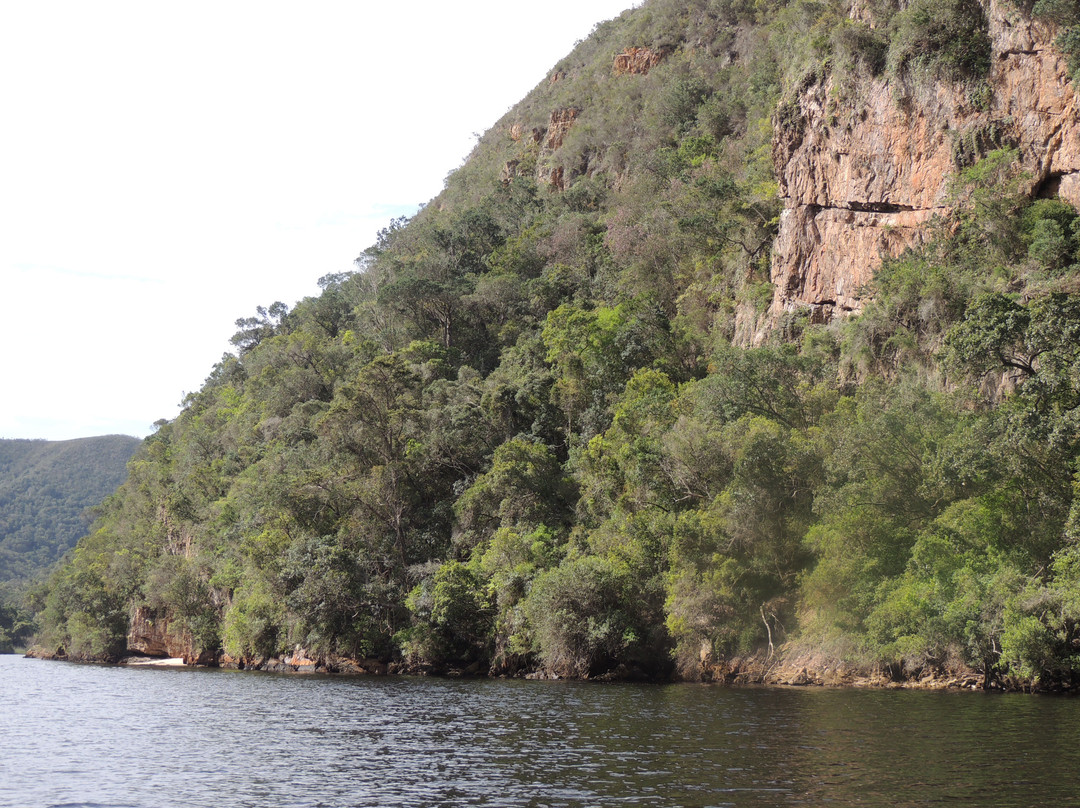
{"x": 795, "y": 669}
{"x": 813, "y": 670}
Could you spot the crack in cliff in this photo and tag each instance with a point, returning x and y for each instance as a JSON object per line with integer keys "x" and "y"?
{"x": 878, "y": 207}
{"x": 870, "y": 207}
{"x": 1019, "y": 52}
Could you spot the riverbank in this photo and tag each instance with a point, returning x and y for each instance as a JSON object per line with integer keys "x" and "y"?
{"x": 808, "y": 669}
{"x": 786, "y": 667}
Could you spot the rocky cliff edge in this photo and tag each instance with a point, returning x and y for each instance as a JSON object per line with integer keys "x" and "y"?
{"x": 862, "y": 171}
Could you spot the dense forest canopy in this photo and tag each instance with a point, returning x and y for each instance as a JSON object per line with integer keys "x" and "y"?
{"x": 46, "y": 491}
{"x": 529, "y": 432}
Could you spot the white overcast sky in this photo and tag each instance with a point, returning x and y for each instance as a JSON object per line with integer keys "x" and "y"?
{"x": 167, "y": 167}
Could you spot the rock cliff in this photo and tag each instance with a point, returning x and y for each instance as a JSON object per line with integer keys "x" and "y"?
{"x": 155, "y": 635}
{"x": 548, "y": 172}
{"x": 862, "y": 170}
{"x": 636, "y": 60}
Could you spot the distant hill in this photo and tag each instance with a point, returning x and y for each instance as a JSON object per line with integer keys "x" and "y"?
{"x": 46, "y": 488}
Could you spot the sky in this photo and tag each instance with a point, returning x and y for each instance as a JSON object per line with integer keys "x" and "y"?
{"x": 167, "y": 167}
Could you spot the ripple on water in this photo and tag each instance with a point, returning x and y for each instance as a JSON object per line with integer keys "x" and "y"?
{"x": 102, "y": 736}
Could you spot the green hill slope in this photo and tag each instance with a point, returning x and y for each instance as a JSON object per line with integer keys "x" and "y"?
{"x": 46, "y": 491}
{"x": 557, "y": 422}
{"x": 46, "y": 488}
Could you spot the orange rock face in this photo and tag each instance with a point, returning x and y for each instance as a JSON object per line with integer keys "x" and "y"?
{"x": 548, "y": 172}
{"x": 862, "y": 175}
{"x": 299, "y": 660}
{"x": 156, "y": 636}
{"x": 559, "y": 124}
{"x": 636, "y": 61}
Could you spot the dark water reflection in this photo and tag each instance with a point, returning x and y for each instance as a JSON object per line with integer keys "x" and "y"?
{"x": 77, "y": 735}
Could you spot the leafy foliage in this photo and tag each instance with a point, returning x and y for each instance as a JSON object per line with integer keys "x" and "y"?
{"x": 524, "y": 432}
{"x": 949, "y": 37}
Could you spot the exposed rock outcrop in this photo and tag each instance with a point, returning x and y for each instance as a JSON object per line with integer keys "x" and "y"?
{"x": 303, "y": 661}
{"x": 862, "y": 171}
{"x": 517, "y": 132}
{"x": 509, "y": 171}
{"x": 558, "y": 125}
{"x": 548, "y": 172}
{"x": 152, "y": 635}
{"x": 637, "y": 61}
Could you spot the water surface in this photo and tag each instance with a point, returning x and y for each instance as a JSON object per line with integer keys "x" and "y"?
{"x": 107, "y": 736}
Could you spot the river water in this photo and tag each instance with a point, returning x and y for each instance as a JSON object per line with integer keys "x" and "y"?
{"x": 75, "y": 735}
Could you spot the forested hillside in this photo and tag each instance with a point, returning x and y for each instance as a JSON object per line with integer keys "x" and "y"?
{"x": 46, "y": 490}
{"x": 564, "y": 419}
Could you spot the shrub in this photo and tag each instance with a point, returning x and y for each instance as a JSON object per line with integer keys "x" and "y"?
{"x": 453, "y": 620}
{"x": 943, "y": 37}
{"x": 1069, "y": 44}
{"x": 254, "y": 623}
{"x": 680, "y": 102}
{"x": 580, "y": 617}
{"x": 856, "y": 43}
{"x": 1061, "y": 12}
{"x": 97, "y": 636}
